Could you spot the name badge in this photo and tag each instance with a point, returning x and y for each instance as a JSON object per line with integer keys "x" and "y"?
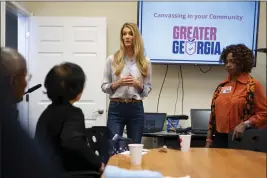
{"x": 226, "y": 89}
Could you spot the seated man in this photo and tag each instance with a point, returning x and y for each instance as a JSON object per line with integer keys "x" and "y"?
{"x": 60, "y": 128}
{"x": 20, "y": 156}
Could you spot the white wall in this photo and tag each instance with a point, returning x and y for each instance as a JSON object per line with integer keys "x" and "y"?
{"x": 198, "y": 87}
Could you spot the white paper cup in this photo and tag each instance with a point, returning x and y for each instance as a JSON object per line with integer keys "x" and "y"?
{"x": 185, "y": 141}
{"x": 136, "y": 153}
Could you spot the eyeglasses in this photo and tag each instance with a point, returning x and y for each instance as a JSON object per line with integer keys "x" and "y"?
{"x": 28, "y": 77}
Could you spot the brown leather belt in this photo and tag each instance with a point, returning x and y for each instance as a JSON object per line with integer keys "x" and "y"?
{"x": 124, "y": 100}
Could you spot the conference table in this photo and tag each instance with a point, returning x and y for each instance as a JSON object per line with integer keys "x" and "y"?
{"x": 199, "y": 163}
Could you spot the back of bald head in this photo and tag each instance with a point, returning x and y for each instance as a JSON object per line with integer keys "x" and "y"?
{"x": 11, "y": 62}
{"x": 12, "y": 67}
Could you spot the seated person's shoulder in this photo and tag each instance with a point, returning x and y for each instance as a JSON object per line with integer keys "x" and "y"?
{"x": 65, "y": 111}
{"x": 74, "y": 114}
{"x": 77, "y": 110}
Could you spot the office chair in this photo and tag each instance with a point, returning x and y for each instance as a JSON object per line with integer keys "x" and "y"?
{"x": 251, "y": 140}
{"x": 105, "y": 143}
{"x": 261, "y": 141}
{"x": 98, "y": 139}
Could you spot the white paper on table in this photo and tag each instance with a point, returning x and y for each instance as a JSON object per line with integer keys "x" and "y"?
{"x": 128, "y": 152}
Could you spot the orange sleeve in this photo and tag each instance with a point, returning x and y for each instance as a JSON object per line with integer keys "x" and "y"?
{"x": 259, "y": 118}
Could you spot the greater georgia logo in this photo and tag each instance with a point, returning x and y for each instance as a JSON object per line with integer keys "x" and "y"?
{"x": 195, "y": 40}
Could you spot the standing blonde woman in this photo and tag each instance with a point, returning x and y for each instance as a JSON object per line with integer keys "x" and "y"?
{"x": 127, "y": 80}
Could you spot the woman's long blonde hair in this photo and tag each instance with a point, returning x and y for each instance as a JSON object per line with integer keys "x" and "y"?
{"x": 138, "y": 48}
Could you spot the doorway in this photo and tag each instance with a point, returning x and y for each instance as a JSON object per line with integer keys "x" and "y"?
{"x": 11, "y": 39}
{"x": 16, "y": 27}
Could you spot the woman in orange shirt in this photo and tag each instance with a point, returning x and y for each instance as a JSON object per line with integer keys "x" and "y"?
{"x": 239, "y": 102}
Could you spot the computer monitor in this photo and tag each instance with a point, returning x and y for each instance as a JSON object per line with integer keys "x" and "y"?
{"x": 154, "y": 122}
{"x": 200, "y": 120}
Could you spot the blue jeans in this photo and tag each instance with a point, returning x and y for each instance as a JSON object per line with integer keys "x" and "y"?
{"x": 130, "y": 115}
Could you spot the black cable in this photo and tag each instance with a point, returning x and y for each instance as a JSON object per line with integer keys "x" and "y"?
{"x": 181, "y": 73}
{"x": 203, "y": 70}
{"x": 167, "y": 67}
{"x": 177, "y": 92}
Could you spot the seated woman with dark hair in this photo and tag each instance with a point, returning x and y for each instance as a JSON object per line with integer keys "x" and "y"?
{"x": 60, "y": 128}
